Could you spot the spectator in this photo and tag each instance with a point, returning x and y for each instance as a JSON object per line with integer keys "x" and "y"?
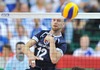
{"x": 3, "y": 7}
{"x": 5, "y": 55}
{"x": 78, "y": 26}
{"x": 12, "y": 23}
{"x": 30, "y": 2}
{"x": 39, "y": 7}
{"x": 99, "y": 4}
{"x": 3, "y": 28}
{"x": 11, "y": 4}
{"x": 24, "y": 7}
{"x": 76, "y": 1}
{"x": 60, "y": 6}
{"x": 3, "y": 41}
{"x": 3, "y": 21}
{"x": 19, "y": 61}
{"x": 38, "y": 27}
{"x": 84, "y": 50}
{"x": 26, "y": 22}
{"x": 49, "y": 7}
{"x": 20, "y": 37}
{"x": 68, "y": 32}
{"x": 47, "y": 21}
{"x": 97, "y": 50}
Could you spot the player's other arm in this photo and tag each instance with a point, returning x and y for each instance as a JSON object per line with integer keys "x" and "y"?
{"x": 55, "y": 55}
{"x": 29, "y": 44}
{"x": 26, "y": 49}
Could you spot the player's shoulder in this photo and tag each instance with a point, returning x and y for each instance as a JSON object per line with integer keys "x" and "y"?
{"x": 45, "y": 31}
{"x": 62, "y": 39}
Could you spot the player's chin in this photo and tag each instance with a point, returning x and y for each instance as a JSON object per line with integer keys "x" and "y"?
{"x": 55, "y": 28}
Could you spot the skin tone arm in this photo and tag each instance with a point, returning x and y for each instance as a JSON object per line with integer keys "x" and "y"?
{"x": 54, "y": 54}
{"x": 27, "y": 51}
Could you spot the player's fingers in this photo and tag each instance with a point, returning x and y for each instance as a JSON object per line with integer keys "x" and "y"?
{"x": 39, "y": 58}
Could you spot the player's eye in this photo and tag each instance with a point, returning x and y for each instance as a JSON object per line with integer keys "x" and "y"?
{"x": 58, "y": 20}
{"x": 54, "y": 19}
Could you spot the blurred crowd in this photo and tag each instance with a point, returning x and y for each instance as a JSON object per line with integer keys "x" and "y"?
{"x": 43, "y": 6}
{"x": 15, "y": 32}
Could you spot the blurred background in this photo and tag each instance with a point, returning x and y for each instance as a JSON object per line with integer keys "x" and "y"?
{"x": 82, "y": 35}
{"x": 46, "y": 5}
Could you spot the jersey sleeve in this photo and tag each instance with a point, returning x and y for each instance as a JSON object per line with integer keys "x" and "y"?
{"x": 37, "y": 36}
{"x": 62, "y": 48}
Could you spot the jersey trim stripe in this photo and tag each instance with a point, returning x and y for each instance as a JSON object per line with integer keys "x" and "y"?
{"x": 35, "y": 38}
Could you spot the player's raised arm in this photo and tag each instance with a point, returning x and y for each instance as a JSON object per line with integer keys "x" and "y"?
{"x": 29, "y": 44}
{"x": 55, "y": 55}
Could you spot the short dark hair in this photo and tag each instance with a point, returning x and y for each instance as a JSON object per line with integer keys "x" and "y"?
{"x": 7, "y": 46}
{"x": 77, "y": 68}
{"x": 20, "y": 43}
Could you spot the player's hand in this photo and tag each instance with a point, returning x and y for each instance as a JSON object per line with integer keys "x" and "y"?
{"x": 48, "y": 38}
{"x": 33, "y": 57}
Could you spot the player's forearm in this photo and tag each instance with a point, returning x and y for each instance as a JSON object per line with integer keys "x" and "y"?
{"x": 53, "y": 51}
{"x": 27, "y": 51}
{"x": 27, "y": 47}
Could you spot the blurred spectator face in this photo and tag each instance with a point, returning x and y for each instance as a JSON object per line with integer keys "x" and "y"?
{"x": 19, "y": 53}
{"x": 18, "y": 21}
{"x": 20, "y": 30}
{"x": 57, "y": 24}
{"x": 97, "y": 48}
{"x": 49, "y": 7}
{"x": 40, "y": 2}
{"x": 6, "y": 50}
{"x": 24, "y": 8}
{"x": 2, "y": 6}
{"x": 84, "y": 42}
{"x": 84, "y": 3}
{"x": 37, "y": 22}
{"x": 62, "y": 2}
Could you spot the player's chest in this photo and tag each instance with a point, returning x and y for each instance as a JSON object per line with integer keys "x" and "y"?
{"x": 42, "y": 43}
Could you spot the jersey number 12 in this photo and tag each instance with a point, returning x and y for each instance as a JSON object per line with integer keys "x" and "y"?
{"x": 41, "y": 52}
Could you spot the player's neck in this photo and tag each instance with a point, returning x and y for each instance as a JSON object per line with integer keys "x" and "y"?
{"x": 55, "y": 33}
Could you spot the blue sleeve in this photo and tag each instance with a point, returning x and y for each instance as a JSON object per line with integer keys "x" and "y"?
{"x": 62, "y": 48}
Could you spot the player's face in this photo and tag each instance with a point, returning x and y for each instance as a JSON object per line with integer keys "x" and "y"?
{"x": 57, "y": 24}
